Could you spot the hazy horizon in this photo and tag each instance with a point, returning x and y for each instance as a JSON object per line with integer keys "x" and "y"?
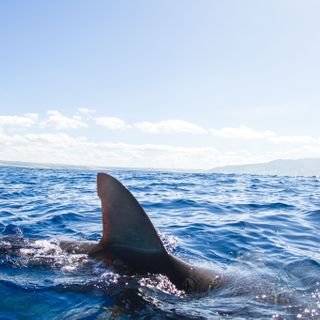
{"x": 279, "y": 167}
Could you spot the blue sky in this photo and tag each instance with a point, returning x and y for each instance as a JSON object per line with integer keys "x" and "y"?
{"x": 165, "y": 84}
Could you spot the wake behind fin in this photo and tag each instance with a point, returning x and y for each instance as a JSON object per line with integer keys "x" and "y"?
{"x": 125, "y": 224}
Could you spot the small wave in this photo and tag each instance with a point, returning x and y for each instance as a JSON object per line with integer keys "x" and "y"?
{"x": 61, "y": 218}
{"x": 267, "y": 206}
{"x": 264, "y": 227}
{"x": 314, "y": 215}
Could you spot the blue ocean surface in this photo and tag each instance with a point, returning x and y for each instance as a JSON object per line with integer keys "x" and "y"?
{"x": 261, "y": 232}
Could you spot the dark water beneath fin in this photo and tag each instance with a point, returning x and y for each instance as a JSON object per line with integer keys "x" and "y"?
{"x": 261, "y": 232}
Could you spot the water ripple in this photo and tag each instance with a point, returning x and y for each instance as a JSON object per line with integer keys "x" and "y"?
{"x": 262, "y": 232}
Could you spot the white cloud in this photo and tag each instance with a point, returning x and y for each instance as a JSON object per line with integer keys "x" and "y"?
{"x": 59, "y": 121}
{"x": 295, "y": 140}
{"x": 63, "y": 148}
{"x": 86, "y": 110}
{"x": 246, "y": 133}
{"x": 170, "y": 126}
{"x": 242, "y": 132}
{"x": 61, "y": 140}
{"x": 112, "y": 123}
{"x": 26, "y": 120}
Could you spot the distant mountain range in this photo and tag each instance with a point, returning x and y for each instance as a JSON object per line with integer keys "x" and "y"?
{"x": 299, "y": 167}
{"x": 84, "y": 167}
{"x": 37, "y": 165}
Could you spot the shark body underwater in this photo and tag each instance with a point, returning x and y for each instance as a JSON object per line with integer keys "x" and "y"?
{"x": 130, "y": 243}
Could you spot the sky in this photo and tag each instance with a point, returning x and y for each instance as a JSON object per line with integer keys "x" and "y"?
{"x": 160, "y": 84}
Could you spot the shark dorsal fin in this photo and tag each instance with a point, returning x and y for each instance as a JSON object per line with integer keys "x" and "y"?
{"x": 125, "y": 224}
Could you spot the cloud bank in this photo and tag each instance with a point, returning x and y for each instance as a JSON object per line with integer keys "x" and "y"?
{"x": 26, "y": 120}
{"x": 170, "y": 126}
{"x": 217, "y": 146}
{"x": 59, "y": 121}
{"x": 112, "y": 123}
{"x": 86, "y": 110}
{"x": 63, "y": 148}
{"x": 242, "y": 132}
{"x": 246, "y": 133}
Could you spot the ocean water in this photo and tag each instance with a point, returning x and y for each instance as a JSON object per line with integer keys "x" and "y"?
{"x": 261, "y": 232}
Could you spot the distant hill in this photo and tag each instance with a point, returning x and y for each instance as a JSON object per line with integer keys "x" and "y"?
{"x": 23, "y": 164}
{"x": 300, "y": 167}
{"x": 37, "y": 165}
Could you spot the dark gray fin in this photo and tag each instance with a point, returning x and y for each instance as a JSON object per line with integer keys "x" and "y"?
{"x": 125, "y": 224}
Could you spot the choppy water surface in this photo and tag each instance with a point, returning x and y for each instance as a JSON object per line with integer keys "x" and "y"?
{"x": 261, "y": 231}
